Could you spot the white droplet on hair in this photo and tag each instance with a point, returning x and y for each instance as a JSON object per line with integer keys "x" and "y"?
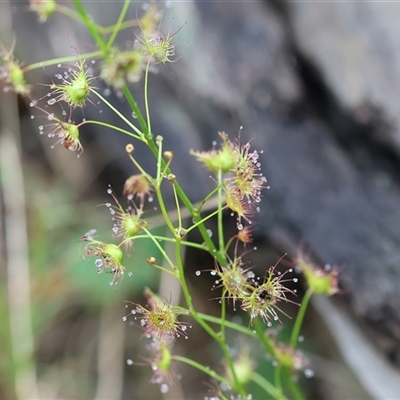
{"x": 164, "y": 388}
{"x": 129, "y": 361}
{"x": 198, "y": 273}
{"x": 51, "y": 102}
{"x": 309, "y": 373}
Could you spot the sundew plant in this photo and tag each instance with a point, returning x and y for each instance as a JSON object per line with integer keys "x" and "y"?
{"x": 239, "y": 185}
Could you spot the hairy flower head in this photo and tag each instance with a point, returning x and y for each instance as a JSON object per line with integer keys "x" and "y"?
{"x": 138, "y": 186}
{"x": 264, "y": 297}
{"x": 109, "y": 257}
{"x": 127, "y": 223}
{"x": 234, "y": 280}
{"x": 11, "y": 72}
{"x": 159, "y": 320}
{"x": 66, "y": 132}
{"x": 122, "y": 67}
{"x": 43, "y": 8}
{"x": 321, "y": 280}
{"x": 218, "y": 160}
{"x": 74, "y": 86}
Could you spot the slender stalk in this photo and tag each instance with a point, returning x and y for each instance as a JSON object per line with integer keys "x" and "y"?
{"x": 267, "y": 386}
{"x": 61, "y": 60}
{"x": 115, "y": 128}
{"x": 146, "y": 98}
{"x": 300, "y": 317}
{"x": 90, "y": 25}
{"x": 117, "y": 26}
{"x": 108, "y": 104}
{"x": 202, "y": 368}
{"x": 204, "y": 325}
{"x": 220, "y": 208}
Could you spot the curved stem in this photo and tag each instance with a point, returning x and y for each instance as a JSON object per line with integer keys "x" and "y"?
{"x": 115, "y": 128}
{"x": 300, "y": 317}
{"x": 60, "y": 60}
{"x": 117, "y": 26}
{"x": 267, "y": 386}
{"x": 221, "y": 242}
{"x": 108, "y": 104}
{"x": 90, "y": 25}
{"x": 146, "y": 98}
{"x": 205, "y": 326}
{"x": 202, "y": 368}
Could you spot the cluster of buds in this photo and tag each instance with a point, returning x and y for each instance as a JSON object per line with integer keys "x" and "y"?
{"x": 244, "y": 182}
{"x": 150, "y": 45}
{"x": 159, "y": 320}
{"x": 258, "y": 296}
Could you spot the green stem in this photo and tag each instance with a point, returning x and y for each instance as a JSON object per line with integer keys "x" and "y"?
{"x": 294, "y": 387}
{"x": 201, "y": 322}
{"x": 160, "y": 248}
{"x": 267, "y": 386}
{"x": 117, "y": 26}
{"x": 277, "y": 379}
{"x": 166, "y": 239}
{"x": 61, "y": 60}
{"x": 115, "y": 128}
{"x": 300, "y": 317}
{"x": 108, "y": 104}
{"x": 146, "y": 99}
{"x": 220, "y": 208}
{"x": 202, "y": 368}
{"x": 202, "y": 221}
{"x": 91, "y": 26}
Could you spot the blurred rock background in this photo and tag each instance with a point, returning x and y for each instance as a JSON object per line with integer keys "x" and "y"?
{"x": 316, "y": 86}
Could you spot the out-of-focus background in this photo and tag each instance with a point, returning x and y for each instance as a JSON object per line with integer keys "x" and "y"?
{"x": 316, "y": 85}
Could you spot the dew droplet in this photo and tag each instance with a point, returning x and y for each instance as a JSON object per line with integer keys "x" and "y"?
{"x": 130, "y": 273}
{"x": 198, "y": 273}
{"x": 301, "y": 339}
{"x": 51, "y": 102}
{"x": 239, "y": 227}
{"x": 98, "y": 263}
{"x": 164, "y": 388}
{"x": 129, "y": 361}
{"x": 309, "y": 373}
{"x": 124, "y": 318}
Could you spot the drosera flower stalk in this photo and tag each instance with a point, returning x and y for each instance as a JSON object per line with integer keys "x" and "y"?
{"x": 159, "y": 320}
